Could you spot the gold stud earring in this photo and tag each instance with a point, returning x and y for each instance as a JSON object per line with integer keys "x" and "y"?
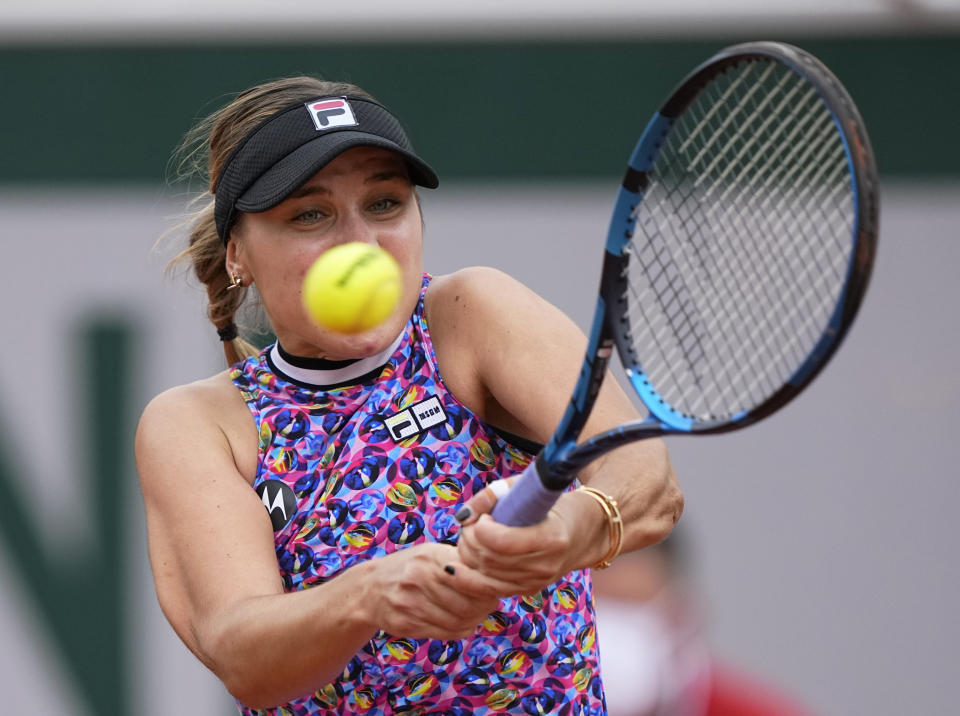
{"x": 236, "y": 281}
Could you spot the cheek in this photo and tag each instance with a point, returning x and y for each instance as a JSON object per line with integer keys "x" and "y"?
{"x": 279, "y": 280}
{"x": 408, "y": 253}
{"x": 282, "y": 275}
{"x": 405, "y": 243}
{"x": 410, "y": 259}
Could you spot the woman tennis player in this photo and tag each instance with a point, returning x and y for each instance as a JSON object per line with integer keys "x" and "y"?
{"x": 312, "y": 511}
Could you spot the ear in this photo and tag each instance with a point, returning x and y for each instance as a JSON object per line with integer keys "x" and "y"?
{"x": 234, "y": 259}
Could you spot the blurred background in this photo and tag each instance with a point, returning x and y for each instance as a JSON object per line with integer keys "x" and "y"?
{"x": 820, "y": 544}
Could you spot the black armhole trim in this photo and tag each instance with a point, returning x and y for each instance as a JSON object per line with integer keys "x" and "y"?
{"x": 518, "y": 442}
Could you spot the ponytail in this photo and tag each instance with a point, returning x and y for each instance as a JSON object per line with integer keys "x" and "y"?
{"x": 208, "y": 255}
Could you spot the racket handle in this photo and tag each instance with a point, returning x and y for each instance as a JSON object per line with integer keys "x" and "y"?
{"x": 528, "y": 500}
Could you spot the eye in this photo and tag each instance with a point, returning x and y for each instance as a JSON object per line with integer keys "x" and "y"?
{"x": 309, "y": 216}
{"x": 384, "y": 204}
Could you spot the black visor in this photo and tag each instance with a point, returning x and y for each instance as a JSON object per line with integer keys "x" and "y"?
{"x": 294, "y": 144}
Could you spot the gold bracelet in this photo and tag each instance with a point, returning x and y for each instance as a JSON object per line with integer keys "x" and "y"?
{"x": 614, "y": 524}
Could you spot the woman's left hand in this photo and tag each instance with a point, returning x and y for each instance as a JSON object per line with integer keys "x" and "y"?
{"x": 529, "y": 558}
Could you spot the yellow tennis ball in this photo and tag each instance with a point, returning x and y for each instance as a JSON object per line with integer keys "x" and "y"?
{"x": 351, "y": 288}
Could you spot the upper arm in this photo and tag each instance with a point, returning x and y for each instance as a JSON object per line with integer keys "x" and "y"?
{"x": 519, "y": 354}
{"x": 209, "y": 538}
{"x": 526, "y": 354}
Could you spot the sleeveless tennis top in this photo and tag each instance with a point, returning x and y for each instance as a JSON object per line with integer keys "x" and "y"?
{"x": 359, "y": 469}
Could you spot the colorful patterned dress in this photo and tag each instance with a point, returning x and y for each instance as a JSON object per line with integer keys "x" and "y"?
{"x": 355, "y": 471}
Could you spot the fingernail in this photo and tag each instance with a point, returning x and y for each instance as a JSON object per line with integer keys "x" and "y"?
{"x": 449, "y": 569}
{"x": 463, "y": 514}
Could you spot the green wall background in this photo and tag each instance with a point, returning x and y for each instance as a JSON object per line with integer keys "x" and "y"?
{"x": 477, "y": 110}
{"x": 79, "y": 592}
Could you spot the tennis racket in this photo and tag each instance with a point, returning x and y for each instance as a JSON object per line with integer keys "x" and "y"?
{"x": 738, "y": 253}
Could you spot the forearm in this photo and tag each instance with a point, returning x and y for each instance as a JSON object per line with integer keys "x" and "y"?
{"x": 271, "y": 649}
{"x": 268, "y": 650}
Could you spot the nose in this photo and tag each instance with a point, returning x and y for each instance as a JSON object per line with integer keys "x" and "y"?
{"x": 355, "y": 228}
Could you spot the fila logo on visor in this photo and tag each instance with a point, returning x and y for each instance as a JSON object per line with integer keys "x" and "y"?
{"x": 330, "y": 113}
{"x": 418, "y": 418}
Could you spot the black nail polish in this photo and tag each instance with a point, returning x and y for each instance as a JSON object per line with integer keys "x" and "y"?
{"x": 463, "y": 514}
{"x": 449, "y": 569}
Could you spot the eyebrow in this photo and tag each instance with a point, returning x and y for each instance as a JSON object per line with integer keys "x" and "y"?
{"x": 311, "y": 189}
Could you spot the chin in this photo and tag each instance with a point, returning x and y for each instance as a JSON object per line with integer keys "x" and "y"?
{"x": 322, "y": 342}
{"x": 364, "y": 344}
{"x": 379, "y": 338}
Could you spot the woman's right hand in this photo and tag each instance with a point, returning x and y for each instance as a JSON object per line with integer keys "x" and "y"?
{"x": 425, "y": 591}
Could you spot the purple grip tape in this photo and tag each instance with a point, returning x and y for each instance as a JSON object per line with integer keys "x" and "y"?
{"x": 527, "y": 502}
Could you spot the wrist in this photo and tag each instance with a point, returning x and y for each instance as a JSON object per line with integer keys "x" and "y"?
{"x": 613, "y": 521}
{"x": 589, "y": 529}
{"x": 368, "y": 597}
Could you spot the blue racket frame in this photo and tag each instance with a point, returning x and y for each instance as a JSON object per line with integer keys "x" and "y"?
{"x": 555, "y": 467}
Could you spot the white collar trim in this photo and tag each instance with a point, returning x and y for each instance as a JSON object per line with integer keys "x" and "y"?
{"x": 334, "y": 376}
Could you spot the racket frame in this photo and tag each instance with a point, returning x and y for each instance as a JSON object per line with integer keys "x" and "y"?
{"x": 557, "y": 464}
{"x": 562, "y": 456}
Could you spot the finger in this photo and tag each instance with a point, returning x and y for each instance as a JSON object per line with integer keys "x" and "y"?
{"x": 441, "y": 608}
{"x": 484, "y": 501}
{"x": 481, "y": 586}
{"x": 473, "y": 595}
{"x": 520, "y": 555}
{"x": 504, "y": 583}
{"x": 502, "y": 540}
{"x": 478, "y": 550}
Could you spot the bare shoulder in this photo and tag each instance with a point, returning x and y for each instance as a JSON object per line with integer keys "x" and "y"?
{"x": 498, "y": 343}
{"x": 203, "y": 418}
{"x": 188, "y": 404}
{"x": 468, "y": 312}
{"x": 470, "y": 280}
{"x": 473, "y": 298}
{"x": 481, "y": 305}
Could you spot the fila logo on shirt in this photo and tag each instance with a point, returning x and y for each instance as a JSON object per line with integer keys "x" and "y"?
{"x": 277, "y": 496}
{"x": 331, "y": 112}
{"x": 416, "y": 419}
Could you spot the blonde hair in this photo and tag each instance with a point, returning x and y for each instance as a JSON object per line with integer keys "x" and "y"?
{"x": 202, "y": 154}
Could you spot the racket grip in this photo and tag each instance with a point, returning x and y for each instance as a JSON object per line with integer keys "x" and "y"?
{"x": 528, "y": 500}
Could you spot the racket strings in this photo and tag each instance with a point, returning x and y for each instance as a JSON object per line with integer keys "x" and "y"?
{"x": 742, "y": 242}
{"x": 743, "y": 202}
